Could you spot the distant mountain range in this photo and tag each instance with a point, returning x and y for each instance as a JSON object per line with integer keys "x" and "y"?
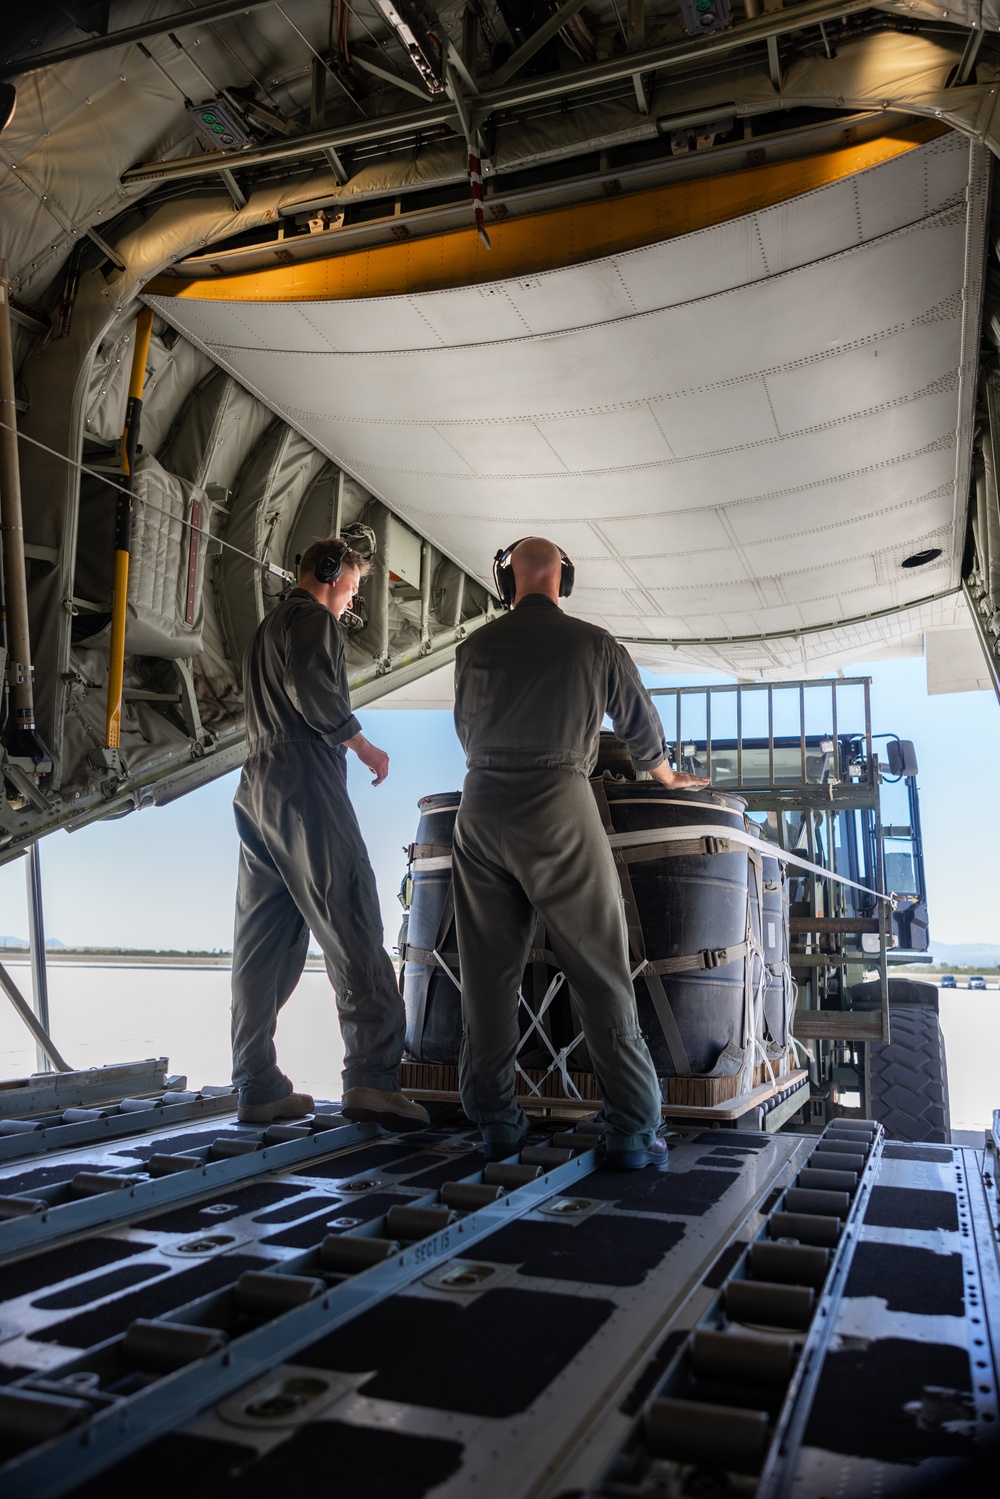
{"x": 15, "y": 942}
{"x": 967, "y": 954}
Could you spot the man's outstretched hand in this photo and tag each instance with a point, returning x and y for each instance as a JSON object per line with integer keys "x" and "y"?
{"x": 376, "y": 760}
{"x": 678, "y": 780}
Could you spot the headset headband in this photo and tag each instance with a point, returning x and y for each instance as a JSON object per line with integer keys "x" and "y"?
{"x": 503, "y": 574}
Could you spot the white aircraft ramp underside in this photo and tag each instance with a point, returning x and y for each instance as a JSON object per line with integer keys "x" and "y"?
{"x": 739, "y": 435}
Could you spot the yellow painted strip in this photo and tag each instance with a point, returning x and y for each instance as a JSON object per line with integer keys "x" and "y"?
{"x": 546, "y": 241}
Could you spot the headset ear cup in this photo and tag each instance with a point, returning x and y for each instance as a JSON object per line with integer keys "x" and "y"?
{"x": 568, "y": 578}
{"x": 503, "y": 576}
{"x": 330, "y": 566}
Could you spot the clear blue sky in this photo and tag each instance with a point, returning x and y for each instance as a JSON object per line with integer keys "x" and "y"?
{"x": 165, "y": 878}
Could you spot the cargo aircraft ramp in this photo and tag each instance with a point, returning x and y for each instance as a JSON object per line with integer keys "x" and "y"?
{"x": 789, "y": 1313}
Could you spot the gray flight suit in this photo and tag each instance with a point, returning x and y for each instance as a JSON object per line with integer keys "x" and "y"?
{"x": 531, "y": 692}
{"x": 303, "y": 862}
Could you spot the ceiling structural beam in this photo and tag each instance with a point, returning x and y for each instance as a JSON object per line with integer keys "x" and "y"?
{"x": 317, "y": 95}
{"x": 470, "y": 41}
{"x": 636, "y": 41}
{"x": 233, "y": 188}
{"x": 461, "y": 104}
{"x": 103, "y": 245}
{"x": 511, "y": 96}
{"x": 536, "y": 42}
{"x": 377, "y": 69}
{"x": 336, "y": 165}
{"x": 11, "y": 67}
{"x": 460, "y": 67}
{"x": 964, "y": 70}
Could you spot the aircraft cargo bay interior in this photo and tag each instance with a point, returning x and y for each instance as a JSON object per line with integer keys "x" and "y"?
{"x": 617, "y": 381}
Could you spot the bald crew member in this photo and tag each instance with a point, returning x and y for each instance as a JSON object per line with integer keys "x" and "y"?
{"x": 531, "y": 692}
{"x": 303, "y": 862}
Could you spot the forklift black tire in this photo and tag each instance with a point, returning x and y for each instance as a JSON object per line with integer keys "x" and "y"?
{"x": 909, "y": 1079}
{"x": 909, "y": 992}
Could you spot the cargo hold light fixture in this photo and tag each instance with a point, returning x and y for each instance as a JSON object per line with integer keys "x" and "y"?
{"x": 220, "y": 124}
{"x": 423, "y": 49}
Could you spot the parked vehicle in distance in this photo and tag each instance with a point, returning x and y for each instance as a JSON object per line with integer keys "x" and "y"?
{"x": 947, "y": 981}
{"x": 976, "y": 981}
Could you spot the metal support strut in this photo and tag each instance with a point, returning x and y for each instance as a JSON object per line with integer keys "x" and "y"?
{"x": 123, "y": 529}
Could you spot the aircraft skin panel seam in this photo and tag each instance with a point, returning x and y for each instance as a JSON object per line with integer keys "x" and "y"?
{"x": 942, "y": 386}
{"x": 953, "y": 216}
{"x": 730, "y": 197}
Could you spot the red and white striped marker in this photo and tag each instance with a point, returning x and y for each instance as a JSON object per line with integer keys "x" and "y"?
{"x": 476, "y": 184}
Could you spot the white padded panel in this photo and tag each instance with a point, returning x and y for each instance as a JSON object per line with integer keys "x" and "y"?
{"x": 739, "y": 431}
{"x": 608, "y": 439}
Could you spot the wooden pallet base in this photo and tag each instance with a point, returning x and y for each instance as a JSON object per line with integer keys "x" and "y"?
{"x": 687, "y": 1097}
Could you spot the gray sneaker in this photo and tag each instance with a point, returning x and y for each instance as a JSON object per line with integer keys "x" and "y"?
{"x": 391, "y": 1110}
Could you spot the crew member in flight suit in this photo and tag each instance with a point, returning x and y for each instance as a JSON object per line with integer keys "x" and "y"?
{"x": 531, "y": 691}
{"x": 303, "y": 862}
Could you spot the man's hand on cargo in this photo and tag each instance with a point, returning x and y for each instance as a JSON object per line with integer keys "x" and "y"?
{"x": 376, "y": 760}
{"x": 678, "y": 780}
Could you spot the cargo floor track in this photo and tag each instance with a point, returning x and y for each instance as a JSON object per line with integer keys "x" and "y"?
{"x": 231, "y": 1311}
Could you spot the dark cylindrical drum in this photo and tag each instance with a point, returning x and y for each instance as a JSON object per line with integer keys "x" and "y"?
{"x": 692, "y": 909}
{"x": 685, "y": 888}
{"x": 433, "y": 1005}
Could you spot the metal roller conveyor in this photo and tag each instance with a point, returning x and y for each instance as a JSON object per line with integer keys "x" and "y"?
{"x": 507, "y": 1174}
{"x": 683, "y": 1346}
{"x": 348, "y": 1256}
{"x": 126, "y": 1194}
{"x": 827, "y": 1181}
{"x": 732, "y": 1388}
{"x": 81, "y": 1125}
{"x": 793, "y": 1264}
{"x": 270, "y": 1316}
{"x": 162, "y": 1347}
{"x": 763, "y": 1304}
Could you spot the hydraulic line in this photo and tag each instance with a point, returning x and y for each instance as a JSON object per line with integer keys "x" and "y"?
{"x": 20, "y": 728}
{"x": 123, "y": 528}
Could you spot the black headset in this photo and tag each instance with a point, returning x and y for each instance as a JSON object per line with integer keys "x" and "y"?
{"x": 329, "y": 567}
{"x": 503, "y": 575}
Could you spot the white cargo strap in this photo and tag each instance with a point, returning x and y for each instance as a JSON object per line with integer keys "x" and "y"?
{"x": 753, "y": 990}
{"x": 560, "y": 1059}
{"x": 732, "y": 835}
{"x": 714, "y": 835}
{"x": 442, "y": 964}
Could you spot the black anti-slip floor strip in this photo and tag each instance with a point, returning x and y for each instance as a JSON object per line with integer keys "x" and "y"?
{"x": 251, "y": 1199}
{"x": 113, "y": 1318}
{"x": 354, "y": 1462}
{"x": 912, "y": 1207}
{"x": 687, "y": 1194}
{"x": 590, "y": 1251}
{"x": 56, "y": 1265}
{"x": 473, "y": 1359}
